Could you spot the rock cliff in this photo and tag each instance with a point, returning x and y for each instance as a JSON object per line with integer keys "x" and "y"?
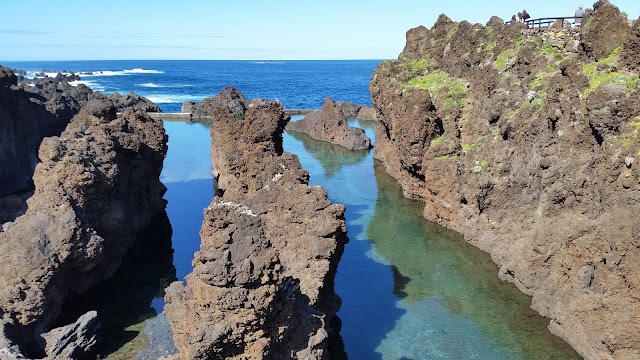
{"x": 96, "y": 187}
{"x": 262, "y": 284}
{"x": 330, "y": 124}
{"x": 30, "y": 113}
{"x": 527, "y": 143}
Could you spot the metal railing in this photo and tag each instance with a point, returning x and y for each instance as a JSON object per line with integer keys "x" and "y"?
{"x": 542, "y": 23}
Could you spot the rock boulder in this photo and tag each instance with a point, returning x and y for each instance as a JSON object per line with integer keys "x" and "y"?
{"x": 329, "y": 124}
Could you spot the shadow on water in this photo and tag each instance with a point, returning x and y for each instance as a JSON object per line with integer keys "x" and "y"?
{"x": 332, "y": 157}
{"x": 187, "y": 201}
{"x": 437, "y": 272}
{"x": 124, "y": 301}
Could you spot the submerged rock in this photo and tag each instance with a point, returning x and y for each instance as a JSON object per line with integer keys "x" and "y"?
{"x": 96, "y": 187}
{"x": 330, "y": 124}
{"x": 523, "y": 149}
{"x": 262, "y": 284}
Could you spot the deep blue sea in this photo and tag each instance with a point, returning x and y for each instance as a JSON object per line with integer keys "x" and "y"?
{"x": 410, "y": 289}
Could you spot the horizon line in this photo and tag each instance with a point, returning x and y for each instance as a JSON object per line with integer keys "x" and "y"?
{"x": 69, "y": 60}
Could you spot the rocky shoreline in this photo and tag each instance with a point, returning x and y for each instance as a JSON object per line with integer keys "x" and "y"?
{"x": 89, "y": 190}
{"x": 262, "y": 284}
{"x": 526, "y": 144}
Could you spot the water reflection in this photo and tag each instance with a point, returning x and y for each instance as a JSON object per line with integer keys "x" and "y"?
{"x": 331, "y": 157}
{"x": 444, "y": 281}
{"x": 412, "y": 289}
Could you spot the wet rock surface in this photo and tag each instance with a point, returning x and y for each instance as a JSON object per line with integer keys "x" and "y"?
{"x": 96, "y": 187}
{"x": 330, "y": 124}
{"x": 262, "y": 285}
{"x": 524, "y": 147}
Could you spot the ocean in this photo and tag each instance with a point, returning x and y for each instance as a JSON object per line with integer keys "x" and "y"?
{"x": 410, "y": 288}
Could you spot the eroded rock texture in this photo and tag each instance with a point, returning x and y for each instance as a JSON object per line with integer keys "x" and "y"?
{"x": 30, "y": 113}
{"x": 262, "y": 285}
{"x": 330, "y": 124}
{"x": 96, "y": 187}
{"x": 531, "y": 152}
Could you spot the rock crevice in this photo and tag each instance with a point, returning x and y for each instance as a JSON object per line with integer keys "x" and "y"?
{"x": 262, "y": 284}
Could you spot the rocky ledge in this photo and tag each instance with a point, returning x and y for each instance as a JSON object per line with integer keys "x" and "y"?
{"x": 262, "y": 284}
{"x": 30, "y": 113}
{"x": 529, "y": 147}
{"x": 96, "y": 187}
{"x": 330, "y": 124}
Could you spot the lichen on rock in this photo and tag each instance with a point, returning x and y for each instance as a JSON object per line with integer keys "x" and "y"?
{"x": 529, "y": 160}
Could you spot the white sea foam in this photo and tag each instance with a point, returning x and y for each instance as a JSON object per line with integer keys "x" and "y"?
{"x": 142, "y": 71}
{"x": 172, "y": 99}
{"x": 120, "y": 73}
{"x": 151, "y": 85}
{"x": 54, "y": 74}
{"x": 268, "y": 62}
{"x": 91, "y": 84}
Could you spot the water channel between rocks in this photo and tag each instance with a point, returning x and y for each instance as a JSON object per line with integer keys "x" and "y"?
{"x": 410, "y": 289}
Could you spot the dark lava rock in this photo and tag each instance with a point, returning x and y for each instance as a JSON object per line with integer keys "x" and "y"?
{"x": 74, "y": 341}
{"x": 329, "y": 124}
{"x": 230, "y": 99}
{"x": 96, "y": 187}
{"x": 521, "y": 146}
{"x": 350, "y": 110}
{"x": 262, "y": 284}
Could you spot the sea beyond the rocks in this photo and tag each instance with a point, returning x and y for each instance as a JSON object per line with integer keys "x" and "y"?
{"x": 410, "y": 288}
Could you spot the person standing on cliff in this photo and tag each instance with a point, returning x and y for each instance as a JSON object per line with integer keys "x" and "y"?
{"x": 578, "y": 16}
{"x": 525, "y": 16}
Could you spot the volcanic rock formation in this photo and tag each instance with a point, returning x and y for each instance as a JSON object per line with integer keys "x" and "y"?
{"x": 229, "y": 98}
{"x": 96, "y": 187}
{"x": 30, "y": 113}
{"x": 262, "y": 284}
{"x": 329, "y": 124}
{"x": 530, "y": 151}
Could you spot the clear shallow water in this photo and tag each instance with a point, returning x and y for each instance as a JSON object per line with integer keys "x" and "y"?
{"x": 410, "y": 289}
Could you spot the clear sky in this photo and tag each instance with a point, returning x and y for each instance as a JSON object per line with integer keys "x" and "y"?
{"x": 236, "y": 29}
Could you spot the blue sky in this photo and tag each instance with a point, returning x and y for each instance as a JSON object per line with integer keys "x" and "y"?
{"x": 249, "y": 29}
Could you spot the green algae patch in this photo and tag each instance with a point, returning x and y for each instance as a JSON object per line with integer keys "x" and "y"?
{"x": 439, "y": 81}
{"x": 479, "y": 166}
{"x": 604, "y": 72}
{"x": 504, "y": 60}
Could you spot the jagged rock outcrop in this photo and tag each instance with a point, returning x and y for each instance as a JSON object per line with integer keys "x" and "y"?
{"x": 229, "y": 98}
{"x": 329, "y": 124}
{"x": 73, "y": 341}
{"x": 262, "y": 284}
{"x": 30, "y": 113}
{"x": 129, "y": 101}
{"x": 526, "y": 149}
{"x": 367, "y": 113}
{"x": 349, "y": 109}
{"x": 96, "y": 187}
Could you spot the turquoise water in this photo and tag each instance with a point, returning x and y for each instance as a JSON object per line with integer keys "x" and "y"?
{"x": 410, "y": 289}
